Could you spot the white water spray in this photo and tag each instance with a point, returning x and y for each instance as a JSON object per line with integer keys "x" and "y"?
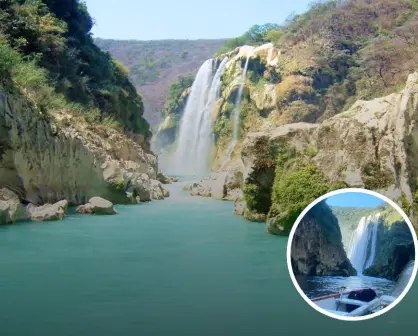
{"x": 195, "y": 136}
{"x": 236, "y": 114}
{"x": 363, "y": 243}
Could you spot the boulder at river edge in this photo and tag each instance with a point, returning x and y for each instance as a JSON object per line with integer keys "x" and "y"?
{"x": 98, "y": 206}
{"x": 11, "y": 210}
{"x": 47, "y": 212}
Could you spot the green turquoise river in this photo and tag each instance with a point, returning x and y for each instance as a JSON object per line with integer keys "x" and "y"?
{"x": 183, "y": 266}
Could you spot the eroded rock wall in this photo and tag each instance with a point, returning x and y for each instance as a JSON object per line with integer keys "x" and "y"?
{"x": 45, "y": 159}
{"x": 317, "y": 248}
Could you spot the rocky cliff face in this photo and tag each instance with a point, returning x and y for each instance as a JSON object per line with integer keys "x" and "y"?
{"x": 44, "y": 159}
{"x": 372, "y": 146}
{"x": 317, "y": 249}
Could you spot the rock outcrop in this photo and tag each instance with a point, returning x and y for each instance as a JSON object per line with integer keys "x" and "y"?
{"x": 97, "y": 206}
{"x": 47, "y": 212}
{"x": 168, "y": 129}
{"x": 11, "y": 210}
{"x": 225, "y": 184}
{"x": 317, "y": 248}
{"x": 47, "y": 159}
{"x": 400, "y": 256}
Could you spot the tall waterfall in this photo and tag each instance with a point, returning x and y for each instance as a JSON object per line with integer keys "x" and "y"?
{"x": 195, "y": 138}
{"x": 362, "y": 247}
{"x": 236, "y": 113}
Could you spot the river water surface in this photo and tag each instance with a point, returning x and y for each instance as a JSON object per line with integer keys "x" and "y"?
{"x": 316, "y": 286}
{"x": 183, "y": 266}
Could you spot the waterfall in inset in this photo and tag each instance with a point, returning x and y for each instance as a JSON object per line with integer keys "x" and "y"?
{"x": 373, "y": 239}
{"x": 236, "y": 114}
{"x": 195, "y": 138}
{"x": 362, "y": 247}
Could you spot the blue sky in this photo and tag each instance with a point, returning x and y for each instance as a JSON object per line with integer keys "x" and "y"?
{"x": 354, "y": 199}
{"x": 186, "y": 19}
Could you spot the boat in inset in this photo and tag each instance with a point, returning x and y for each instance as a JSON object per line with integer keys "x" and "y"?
{"x": 363, "y": 301}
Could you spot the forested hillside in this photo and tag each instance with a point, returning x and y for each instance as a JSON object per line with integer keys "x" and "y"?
{"x": 154, "y": 65}
{"x": 47, "y": 51}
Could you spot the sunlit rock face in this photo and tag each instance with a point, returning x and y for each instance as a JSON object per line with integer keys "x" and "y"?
{"x": 373, "y": 145}
{"x": 48, "y": 159}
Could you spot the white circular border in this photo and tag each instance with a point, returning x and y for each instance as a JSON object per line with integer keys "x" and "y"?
{"x": 292, "y": 233}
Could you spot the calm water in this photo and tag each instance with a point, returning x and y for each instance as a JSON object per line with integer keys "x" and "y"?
{"x": 184, "y": 266}
{"x": 318, "y": 286}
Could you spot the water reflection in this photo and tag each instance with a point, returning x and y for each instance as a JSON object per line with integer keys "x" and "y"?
{"x": 318, "y": 286}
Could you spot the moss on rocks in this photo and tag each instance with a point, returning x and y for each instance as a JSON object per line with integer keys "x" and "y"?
{"x": 374, "y": 177}
{"x": 258, "y": 185}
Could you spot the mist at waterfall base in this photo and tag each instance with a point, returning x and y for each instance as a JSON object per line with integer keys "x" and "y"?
{"x": 195, "y": 139}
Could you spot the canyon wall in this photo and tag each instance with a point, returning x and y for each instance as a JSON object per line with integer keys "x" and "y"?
{"x": 45, "y": 159}
{"x": 317, "y": 248}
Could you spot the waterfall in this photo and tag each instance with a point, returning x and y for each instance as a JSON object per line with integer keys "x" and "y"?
{"x": 363, "y": 243}
{"x": 195, "y": 138}
{"x": 236, "y": 114}
{"x": 373, "y": 241}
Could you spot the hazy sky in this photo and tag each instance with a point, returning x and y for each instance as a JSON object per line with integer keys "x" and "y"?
{"x": 186, "y": 19}
{"x": 355, "y": 199}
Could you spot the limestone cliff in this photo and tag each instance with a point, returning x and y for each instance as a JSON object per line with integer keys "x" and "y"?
{"x": 47, "y": 158}
{"x": 317, "y": 248}
{"x": 372, "y": 146}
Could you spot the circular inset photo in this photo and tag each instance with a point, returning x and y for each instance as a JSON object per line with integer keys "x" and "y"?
{"x": 351, "y": 254}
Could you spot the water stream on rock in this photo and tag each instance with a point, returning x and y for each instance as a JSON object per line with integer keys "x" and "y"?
{"x": 195, "y": 139}
{"x": 236, "y": 114}
{"x": 362, "y": 247}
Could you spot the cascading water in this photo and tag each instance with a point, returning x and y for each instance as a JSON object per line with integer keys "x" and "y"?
{"x": 236, "y": 113}
{"x": 195, "y": 138}
{"x": 363, "y": 243}
{"x": 373, "y": 241}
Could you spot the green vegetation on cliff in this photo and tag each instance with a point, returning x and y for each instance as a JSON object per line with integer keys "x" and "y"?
{"x": 256, "y": 35}
{"x": 47, "y": 53}
{"x": 284, "y": 181}
{"x": 176, "y": 98}
{"x": 297, "y": 183}
{"x": 173, "y": 111}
